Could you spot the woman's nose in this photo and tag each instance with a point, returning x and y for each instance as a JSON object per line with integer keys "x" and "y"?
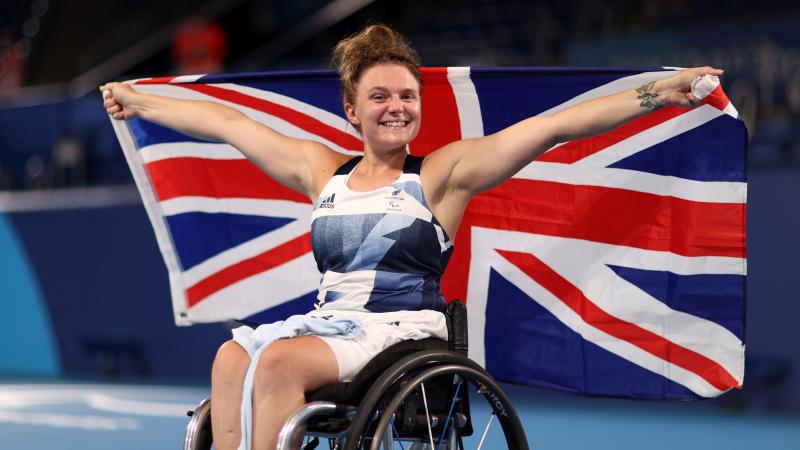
{"x": 395, "y": 105}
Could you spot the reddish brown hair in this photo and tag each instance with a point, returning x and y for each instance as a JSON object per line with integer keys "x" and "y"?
{"x": 373, "y": 45}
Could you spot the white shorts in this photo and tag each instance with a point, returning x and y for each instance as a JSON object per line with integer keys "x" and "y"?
{"x": 378, "y": 332}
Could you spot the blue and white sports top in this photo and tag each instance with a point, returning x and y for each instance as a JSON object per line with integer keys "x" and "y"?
{"x": 380, "y": 250}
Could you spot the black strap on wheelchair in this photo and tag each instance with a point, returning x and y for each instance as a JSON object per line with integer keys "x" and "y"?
{"x": 457, "y": 333}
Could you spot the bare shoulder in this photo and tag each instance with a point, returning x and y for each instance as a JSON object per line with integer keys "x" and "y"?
{"x": 323, "y": 163}
{"x": 437, "y": 168}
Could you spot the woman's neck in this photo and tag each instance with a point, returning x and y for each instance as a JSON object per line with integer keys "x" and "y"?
{"x": 382, "y": 164}
{"x": 377, "y": 170}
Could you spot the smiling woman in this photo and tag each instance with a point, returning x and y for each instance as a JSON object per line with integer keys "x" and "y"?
{"x": 381, "y": 86}
{"x": 382, "y": 222}
{"x": 387, "y": 108}
{"x": 376, "y": 44}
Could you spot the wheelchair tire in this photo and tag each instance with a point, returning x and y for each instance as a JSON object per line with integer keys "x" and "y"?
{"x": 407, "y": 370}
{"x": 198, "y": 430}
{"x": 499, "y": 404}
{"x": 388, "y": 383}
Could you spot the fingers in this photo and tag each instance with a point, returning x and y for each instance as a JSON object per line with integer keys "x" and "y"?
{"x": 109, "y": 89}
{"x": 683, "y": 80}
{"x": 708, "y": 70}
{"x": 690, "y": 74}
{"x": 113, "y": 108}
{"x": 106, "y": 89}
{"x": 111, "y": 105}
{"x": 109, "y": 100}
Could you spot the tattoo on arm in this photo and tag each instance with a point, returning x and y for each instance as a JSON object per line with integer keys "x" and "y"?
{"x": 647, "y": 96}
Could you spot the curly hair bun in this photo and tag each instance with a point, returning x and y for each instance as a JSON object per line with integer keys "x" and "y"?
{"x": 373, "y": 45}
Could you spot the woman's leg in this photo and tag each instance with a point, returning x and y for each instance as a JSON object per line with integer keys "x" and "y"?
{"x": 227, "y": 377}
{"x": 286, "y": 370}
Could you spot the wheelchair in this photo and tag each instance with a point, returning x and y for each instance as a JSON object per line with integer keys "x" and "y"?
{"x": 414, "y": 395}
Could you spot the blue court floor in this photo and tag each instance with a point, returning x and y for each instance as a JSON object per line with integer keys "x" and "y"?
{"x": 53, "y": 416}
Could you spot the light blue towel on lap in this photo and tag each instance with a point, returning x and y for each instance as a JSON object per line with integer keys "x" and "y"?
{"x": 255, "y": 341}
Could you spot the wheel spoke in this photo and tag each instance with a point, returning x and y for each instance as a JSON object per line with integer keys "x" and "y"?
{"x": 486, "y": 431}
{"x": 396, "y": 436}
{"x": 427, "y": 414}
{"x": 496, "y": 400}
{"x": 450, "y": 413}
{"x": 388, "y": 442}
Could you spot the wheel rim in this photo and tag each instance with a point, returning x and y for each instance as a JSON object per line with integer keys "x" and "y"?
{"x": 501, "y": 411}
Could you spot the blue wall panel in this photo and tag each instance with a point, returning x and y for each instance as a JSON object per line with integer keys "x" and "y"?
{"x": 106, "y": 289}
{"x": 27, "y": 344}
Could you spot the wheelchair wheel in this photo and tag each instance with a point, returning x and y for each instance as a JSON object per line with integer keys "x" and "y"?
{"x": 198, "y": 430}
{"x": 499, "y": 427}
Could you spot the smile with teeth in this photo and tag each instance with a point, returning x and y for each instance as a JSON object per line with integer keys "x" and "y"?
{"x": 394, "y": 123}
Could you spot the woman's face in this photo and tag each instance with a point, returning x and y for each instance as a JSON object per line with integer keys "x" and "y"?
{"x": 387, "y": 107}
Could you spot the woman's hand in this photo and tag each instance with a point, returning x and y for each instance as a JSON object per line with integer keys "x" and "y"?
{"x": 675, "y": 90}
{"x": 118, "y": 99}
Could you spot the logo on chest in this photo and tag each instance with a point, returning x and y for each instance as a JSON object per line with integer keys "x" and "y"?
{"x": 328, "y": 202}
{"x": 395, "y": 201}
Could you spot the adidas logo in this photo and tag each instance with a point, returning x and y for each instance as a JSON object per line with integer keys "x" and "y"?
{"x": 395, "y": 192}
{"x": 328, "y": 202}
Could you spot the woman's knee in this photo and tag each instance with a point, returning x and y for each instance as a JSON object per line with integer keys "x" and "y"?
{"x": 230, "y": 363}
{"x": 275, "y": 367}
{"x": 298, "y": 364}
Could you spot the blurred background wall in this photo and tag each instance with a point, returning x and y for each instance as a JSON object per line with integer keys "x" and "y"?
{"x": 83, "y": 289}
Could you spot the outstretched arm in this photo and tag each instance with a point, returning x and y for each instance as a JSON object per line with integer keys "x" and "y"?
{"x": 479, "y": 164}
{"x": 296, "y": 163}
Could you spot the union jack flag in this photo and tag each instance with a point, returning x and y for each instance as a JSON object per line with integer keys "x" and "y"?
{"x": 613, "y": 265}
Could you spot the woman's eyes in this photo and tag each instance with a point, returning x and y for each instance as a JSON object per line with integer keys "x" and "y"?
{"x": 384, "y": 97}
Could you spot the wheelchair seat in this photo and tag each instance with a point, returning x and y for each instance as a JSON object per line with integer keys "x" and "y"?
{"x": 414, "y": 391}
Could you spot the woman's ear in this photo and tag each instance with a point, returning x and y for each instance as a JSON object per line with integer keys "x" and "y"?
{"x": 350, "y": 112}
